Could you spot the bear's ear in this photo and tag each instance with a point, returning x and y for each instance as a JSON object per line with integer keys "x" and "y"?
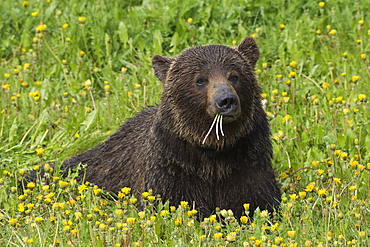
{"x": 249, "y": 49}
{"x": 161, "y": 65}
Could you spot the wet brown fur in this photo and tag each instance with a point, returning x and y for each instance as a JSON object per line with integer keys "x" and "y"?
{"x": 161, "y": 148}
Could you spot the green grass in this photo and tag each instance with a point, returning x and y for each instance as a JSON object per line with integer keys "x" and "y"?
{"x": 325, "y": 141}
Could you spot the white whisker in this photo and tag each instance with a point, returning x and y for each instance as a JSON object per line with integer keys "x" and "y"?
{"x": 210, "y": 129}
{"x": 222, "y": 133}
{"x": 218, "y": 118}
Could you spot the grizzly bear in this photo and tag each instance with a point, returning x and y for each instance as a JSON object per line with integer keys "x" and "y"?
{"x": 208, "y": 140}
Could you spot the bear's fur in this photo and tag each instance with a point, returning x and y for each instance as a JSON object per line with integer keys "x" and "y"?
{"x": 162, "y": 147}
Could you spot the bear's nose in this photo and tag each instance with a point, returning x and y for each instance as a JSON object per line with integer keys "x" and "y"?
{"x": 227, "y": 103}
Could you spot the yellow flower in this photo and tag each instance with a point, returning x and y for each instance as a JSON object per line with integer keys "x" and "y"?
{"x": 151, "y": 198}
{"x": 355, "y": 78}
{"x": 275, "y": 91}
{"x": 68, "y": 39}
{"x": 63, "y": 184}
{"x": 145, "y": 194}
{"x": 40, "y": 151}
{"x": 244, "y": 219}
{"x": 258, "y": 71}
{"x": 333, "y": 32}
{"x": 325, "y": 85}
{"x": 34, "y": 14}
{"x": 65, "y": 26}
{"x": 82, "y": 188}
{"x": 234, "y": 42}
{"x": 363, "y": 56}
{"x": 345, "y": 111}
{"x": 25, "y": 4}
{"x": 337, "y": 180}
{"x": 322, "y": 192}
{"x": 302, "y": 194}
{"x": 310, "y": 187}
{"x": 164, "y": 213}
{"x": 38, "y": 219}
{"x": 344, "y": 155}
{"x": 293, "y": 64}
{"x": 318, "y": 31}
{"x": 264, "y": 65}
{"x": 106, "y": 87}
{"x": 217, "y": 236}
{"x": 190, "y": 21}
{"x": 184, "y": 204}
{"x": 339, "y": 99}
{"x": 82, "y": 19}
{"x": 328, "y": 27}
{"x": 21, "y": 207}
{"x": 77, "y": 136}
{"x": 31, "y": 185}
{"x": 320, "y": 172}
{"x": 126, "y": 190}
{"x": 292, "y": 74}
{"x": 359, "y": 41}
{"x": 286, "y": 118}
{"x": 13, "y": 222}
{"x": 321, "y": 4}
{"x": 264, "y": 95}
{"x": 131, "y": 221}
{"x": 291, "y": 234}
{"x": 353, "y": 187}
{"x": 282, "y": 26}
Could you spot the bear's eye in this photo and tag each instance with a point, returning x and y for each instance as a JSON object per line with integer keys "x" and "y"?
{"x": 234, "y": 78}
{"x": 200, "y": 81}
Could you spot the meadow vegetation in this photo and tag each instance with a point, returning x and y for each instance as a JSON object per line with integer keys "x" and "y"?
{"x": 73, "y": 71}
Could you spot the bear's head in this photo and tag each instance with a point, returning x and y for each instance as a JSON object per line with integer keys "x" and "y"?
{"x": 210, "y": 93}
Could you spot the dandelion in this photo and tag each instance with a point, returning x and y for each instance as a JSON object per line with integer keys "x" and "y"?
{"x": 292, "y": 74}
{"x": 325, "y": 85}
{"x": 282, "y": 26}
{"x": 293, "y": 64}
{"x": 291, "y": 234}
{"x": 40, "y": 151}
{"x": 355, "y": 78}
{"x": 320, "y": 172}
{"x": 184, "y": 204}
{"x": 310, "y": 187}
{"x": 363, "y": 56}
{"x": 333, "y": 32}
{"x": 286, "y": 118}
{"x": 337, "y": 180}
{"x": 25, "y": 4}
{"x": 217, "y": 236}
{"x": 318, "y": 31}
{"x": 302, "y": 194}
{"x": 358, "y": 41}
{"x": 13, "y": 222}
{"x": 34, "y": 14}
{"x": 69, "y": 40}
{"x": 190, "y": 21}
{"x": 322, "y": 192}
{"x": 31, "y": 185}
{"x": 81, "y": 19}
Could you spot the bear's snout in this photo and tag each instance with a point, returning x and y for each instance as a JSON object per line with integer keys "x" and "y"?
{"x": 227, "y": 103}
{"x": 224, "y": 101}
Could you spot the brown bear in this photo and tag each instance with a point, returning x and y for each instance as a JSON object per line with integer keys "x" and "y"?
{"x": 208, "y": 141}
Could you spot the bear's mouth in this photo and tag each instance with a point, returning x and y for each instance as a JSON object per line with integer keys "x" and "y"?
{"x": 218, "y": 122}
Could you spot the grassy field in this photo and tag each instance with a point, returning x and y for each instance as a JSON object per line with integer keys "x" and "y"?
{"x": 72, "y": 72}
